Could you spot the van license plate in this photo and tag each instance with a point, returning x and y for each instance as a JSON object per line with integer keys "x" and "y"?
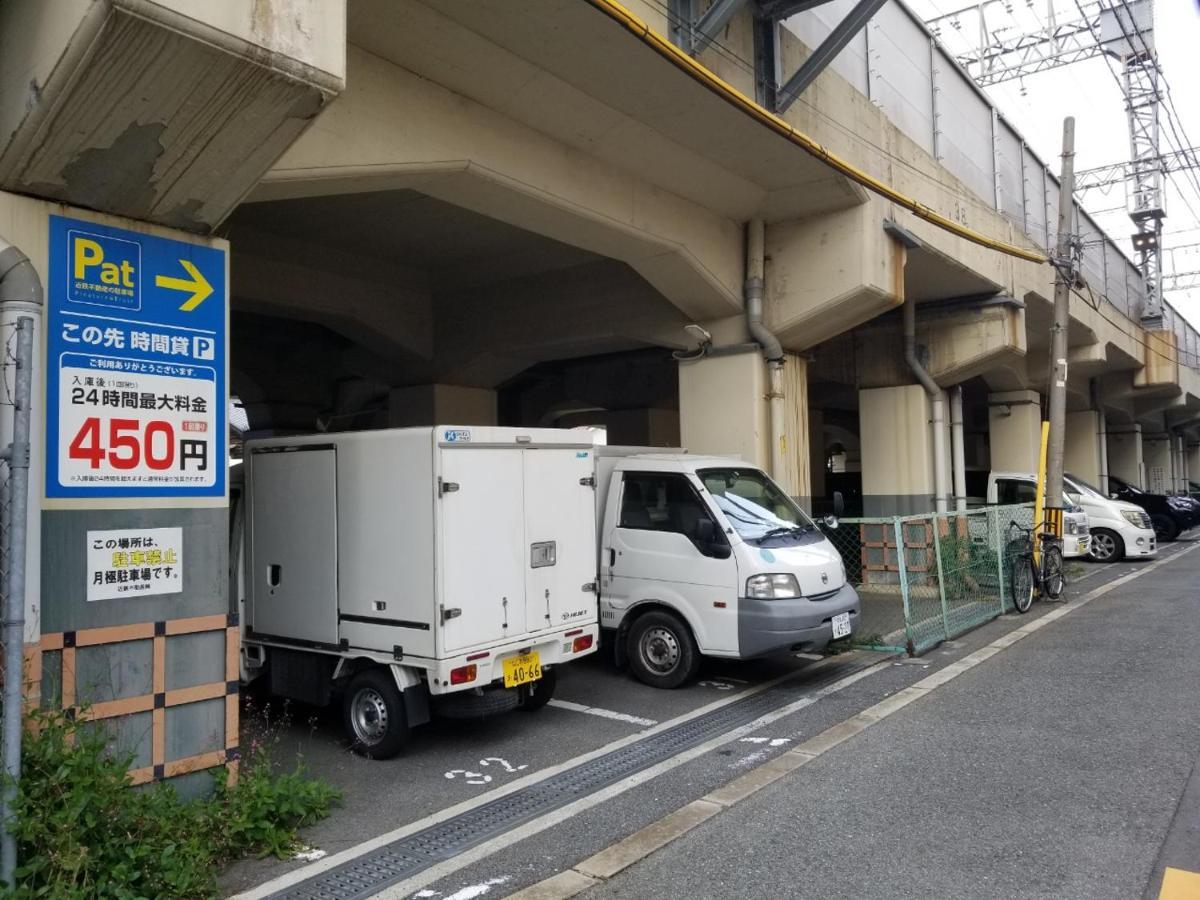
{"x": 841, "y": 626}
{"x": 526, "y": 668}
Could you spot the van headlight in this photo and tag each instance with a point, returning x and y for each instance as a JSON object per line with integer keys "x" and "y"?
{"x": 1132, "y": 517}
{"x": 772, "y": 587}
{"x": 1072, "y": 527}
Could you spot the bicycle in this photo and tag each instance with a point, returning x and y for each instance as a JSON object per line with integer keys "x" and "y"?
{"x": 1025, "y": 574}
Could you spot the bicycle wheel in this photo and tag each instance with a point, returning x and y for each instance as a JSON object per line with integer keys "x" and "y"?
{"x": 1020, "y": 581}
{"x": 1054, "y": 576}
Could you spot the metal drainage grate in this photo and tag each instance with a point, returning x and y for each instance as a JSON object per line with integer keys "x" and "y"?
{"x": 372, "y": 872}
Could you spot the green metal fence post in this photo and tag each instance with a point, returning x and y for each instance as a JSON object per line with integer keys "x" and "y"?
{"x": 937, "y": 549}
{"x": 910, "y": 644}
{"x": 994, "y": 514}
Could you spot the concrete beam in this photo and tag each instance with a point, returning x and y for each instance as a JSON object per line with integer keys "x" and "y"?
{"x": 476, "y": 158}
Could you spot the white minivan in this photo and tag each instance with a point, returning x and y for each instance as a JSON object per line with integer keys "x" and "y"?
{"x": 1008, "y": 488}
{"x": 1119, "y": 529}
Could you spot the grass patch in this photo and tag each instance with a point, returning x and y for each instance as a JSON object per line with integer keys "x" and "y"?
{"x": 83, "y": 831}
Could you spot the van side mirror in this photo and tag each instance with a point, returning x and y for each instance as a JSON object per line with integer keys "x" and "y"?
{"x": 839, "y": 505}
{"x": 709, "y": 542}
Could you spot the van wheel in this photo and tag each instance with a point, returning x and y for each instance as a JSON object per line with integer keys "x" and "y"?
{"x": 1164, "y": 527}
{"x": 538, "y": 693}
{"x": 662, "y": 652}
{"x": 374, "y": 716}
{"x": 1106, "y": 546}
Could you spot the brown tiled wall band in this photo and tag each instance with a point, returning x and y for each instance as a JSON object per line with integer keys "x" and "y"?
{"x": 160, "y": 699}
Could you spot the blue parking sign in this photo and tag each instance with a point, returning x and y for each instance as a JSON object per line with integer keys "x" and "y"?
{"x": 136, "y": 365}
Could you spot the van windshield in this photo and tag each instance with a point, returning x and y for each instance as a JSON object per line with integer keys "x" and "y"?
{"x": 1077, "y": 487}
{"x": 754, "y": 506}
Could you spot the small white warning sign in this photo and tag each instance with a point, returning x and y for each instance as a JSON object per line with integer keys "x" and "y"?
{"x": 134, "y": 562}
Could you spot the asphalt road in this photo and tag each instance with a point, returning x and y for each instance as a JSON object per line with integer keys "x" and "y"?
{"x": 1054, "y": 769}
{"x": 879, "y": 816}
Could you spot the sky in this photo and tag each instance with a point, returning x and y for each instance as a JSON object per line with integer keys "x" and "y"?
{"x": 1088, "y": 91}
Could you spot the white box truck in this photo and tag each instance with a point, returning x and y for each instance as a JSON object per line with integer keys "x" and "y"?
{"x": 404, "y": 566}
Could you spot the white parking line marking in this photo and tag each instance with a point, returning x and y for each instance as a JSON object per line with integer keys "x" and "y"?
{"x": 603, "y": 713}
{"x": 313, "y": 869}
{"x": 462, "y": 860}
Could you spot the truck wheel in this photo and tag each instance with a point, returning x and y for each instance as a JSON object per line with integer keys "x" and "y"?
{"x": 1164, "y": 527}
{"x": 538, "y": 693}
{"x": 374, "y": 716}
{"x": 662, "y": 652}
{"x": 1107, "y": 546}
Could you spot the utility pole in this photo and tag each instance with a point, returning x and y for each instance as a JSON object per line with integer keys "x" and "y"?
{"x": 1063, "y": 279}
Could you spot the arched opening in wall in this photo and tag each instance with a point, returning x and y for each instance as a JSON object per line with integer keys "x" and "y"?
{"x": 628, "y": 399}
{"x": 392, "y": 309}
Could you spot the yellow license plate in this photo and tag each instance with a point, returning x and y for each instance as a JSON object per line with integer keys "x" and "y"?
{"x": 522, "y": 669}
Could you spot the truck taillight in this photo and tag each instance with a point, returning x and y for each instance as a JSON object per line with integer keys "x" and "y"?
{"x": 582, "y": 643}
{"x": 462, "y": 674}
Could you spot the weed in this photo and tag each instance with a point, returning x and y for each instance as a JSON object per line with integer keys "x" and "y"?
{"x": 83, "y": 831}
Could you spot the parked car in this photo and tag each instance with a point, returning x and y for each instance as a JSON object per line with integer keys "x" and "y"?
{"x": 1168, "y": 515}
{"x": 1009, "y": 488}
{"x": 1118, "y": 529}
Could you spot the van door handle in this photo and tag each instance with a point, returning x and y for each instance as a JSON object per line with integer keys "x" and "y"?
{"x": 612, "y": 556}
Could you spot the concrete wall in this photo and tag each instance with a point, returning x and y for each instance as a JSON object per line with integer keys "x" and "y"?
{"x": 1015, "y": 430}
{"x": 723, "y": 410}
{"x": 897, "y": 451}
{"x": 1125, "y": 454}
{"x": 1082, "y": 448}
{"x": 1156, "y": 453}
{"x": 441, "y": 404}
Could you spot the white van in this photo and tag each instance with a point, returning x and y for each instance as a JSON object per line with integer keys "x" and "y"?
{"x": 703, "y": 556}
{"x": 1007, "y": 488}
{"x": 1119, "y": 529}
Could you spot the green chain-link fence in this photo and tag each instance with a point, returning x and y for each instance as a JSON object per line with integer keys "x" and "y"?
{"x": 925, "y": 579}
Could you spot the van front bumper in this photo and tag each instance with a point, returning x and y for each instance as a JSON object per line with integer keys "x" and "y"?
{"x": 800, "y": 624}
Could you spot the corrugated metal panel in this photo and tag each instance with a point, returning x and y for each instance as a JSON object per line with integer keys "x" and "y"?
{"x": 903, "y": 73}
{"x": 1008, "y": 170}
{"x": 1093, "y": 250}
{"x": 967, "y": 146}
{"x": 1137, "y": 290}
{"x": 1115, "y": 285}
{"x": 1035, "y": 197}
{"x": 814, "y": 26}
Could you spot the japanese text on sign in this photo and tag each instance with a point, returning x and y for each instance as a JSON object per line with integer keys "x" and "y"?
{"x": 134, "y": 563}
{"x": 136, "y": 381}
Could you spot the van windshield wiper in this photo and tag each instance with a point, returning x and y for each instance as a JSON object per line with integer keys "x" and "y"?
{"x": 783, "y": 529}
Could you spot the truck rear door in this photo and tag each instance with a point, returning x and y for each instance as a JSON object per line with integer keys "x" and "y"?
{"x": 292, "y": 566}
{"x": 482, "y": 548}
{"x": 560, "y": 537}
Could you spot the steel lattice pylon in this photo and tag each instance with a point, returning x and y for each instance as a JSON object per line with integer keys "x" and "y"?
{"x": 1122, "y": 29}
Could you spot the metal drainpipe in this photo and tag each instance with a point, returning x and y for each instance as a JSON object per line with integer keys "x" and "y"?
{"x": 763, "y": 336}
{"x": 20, "y": 291}
{"x": 935, "y": 396}
{"x": 1102, "y": 436}
{"x": 958, "y": 455}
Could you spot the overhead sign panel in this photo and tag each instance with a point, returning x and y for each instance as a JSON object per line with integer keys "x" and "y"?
{"x": 136, "y": 387}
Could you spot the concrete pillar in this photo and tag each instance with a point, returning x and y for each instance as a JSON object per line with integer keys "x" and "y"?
{"x": 1014, "y": 430}
{"x": 1082, "y": 450}
{"x": 816, "y": 455}
{"x": 1125, "y": 454}
{"x": 897, "y": 451}
{"x": 441, "y": 404}
{"x": 1156, "y": 456}
{"x": 1193, "y": 462}
{"x": 723, "y": 411}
